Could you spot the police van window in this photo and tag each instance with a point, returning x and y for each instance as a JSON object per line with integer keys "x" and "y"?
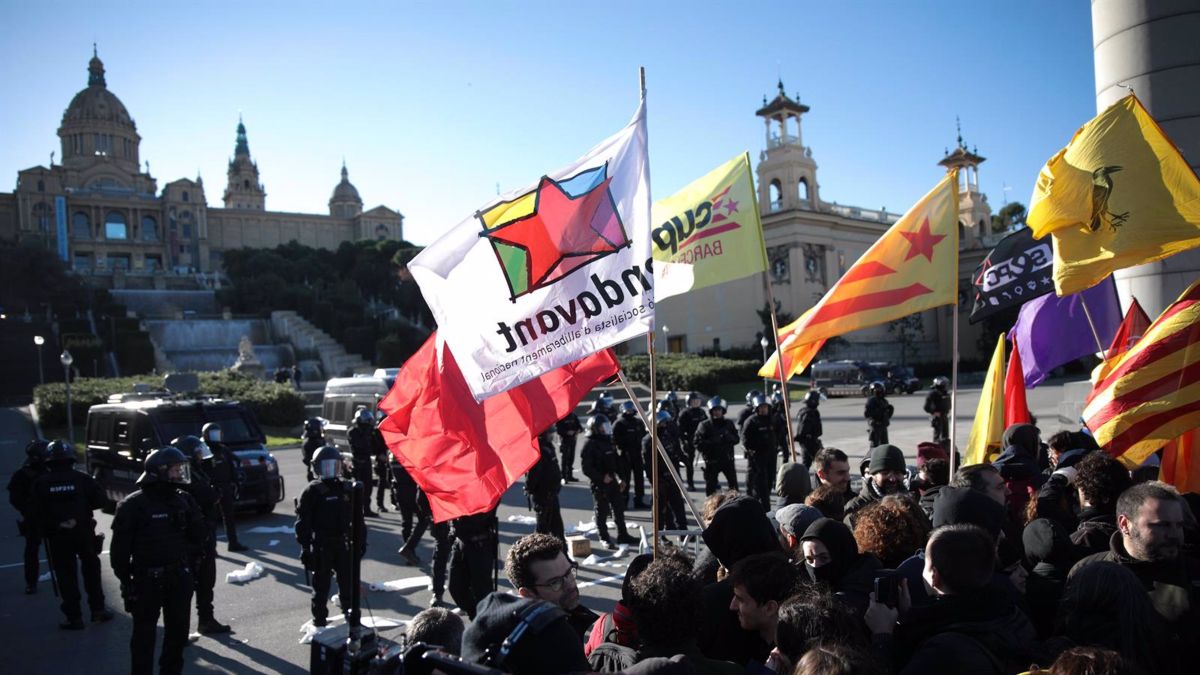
{"x": 234, "y": 427}
{"x": 100, "y": 430}
{"x": 339, "y": 410}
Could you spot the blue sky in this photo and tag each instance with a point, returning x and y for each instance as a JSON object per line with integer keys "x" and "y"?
{"x": 434, "y": 105}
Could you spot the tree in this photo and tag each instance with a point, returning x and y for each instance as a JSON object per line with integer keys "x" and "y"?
{"x": 764, "y": 315}
{"x": 1009, "y": 215}
{"x": 907, "y": 331}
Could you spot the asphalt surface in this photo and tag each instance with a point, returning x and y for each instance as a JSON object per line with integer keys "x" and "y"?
{"x": 267, "y": 613}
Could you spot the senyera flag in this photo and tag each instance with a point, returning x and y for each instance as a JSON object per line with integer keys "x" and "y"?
{"x": 550, "y": 273}
{"x": 709, "y": 232}
{"x": 911, "y": 268}
{"x": 465, "y": 454}
{"x": 1151, "y": 394}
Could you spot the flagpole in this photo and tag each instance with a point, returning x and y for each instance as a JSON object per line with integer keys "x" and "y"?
{"x": 663, "y": 451}
{"x": 783, "y": 388}
{"x": 1091, "y": 324}
{"x": 653, "y": 442}
{"x": 953, "y": 450}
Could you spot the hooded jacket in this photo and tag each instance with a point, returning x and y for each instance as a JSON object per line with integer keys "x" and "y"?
{"x": 1050, "y": 553}
{"x": 849, "y": 574}
{"x": 1095, "y": 531}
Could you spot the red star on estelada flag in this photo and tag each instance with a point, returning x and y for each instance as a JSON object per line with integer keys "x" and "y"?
{"x": 560, "y": 227}
{"x": 922, "y": 241}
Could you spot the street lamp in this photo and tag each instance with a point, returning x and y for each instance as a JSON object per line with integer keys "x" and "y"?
{"x": 764, "y": 344}
{"x": 666, "y": 339}
{"x": 39, "y": 341}
{"x": 66, "y": 360}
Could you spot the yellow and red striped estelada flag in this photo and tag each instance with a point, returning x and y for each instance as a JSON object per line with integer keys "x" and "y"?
{"x": 1151, "y": 394}
{"x": 911, "y": 268}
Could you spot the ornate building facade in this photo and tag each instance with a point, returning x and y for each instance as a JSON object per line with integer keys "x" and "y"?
{"x": 101, "y": 210}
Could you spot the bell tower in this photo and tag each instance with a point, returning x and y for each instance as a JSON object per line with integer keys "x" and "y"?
{"x": 243, "y": 191}
{"x": 787, "y": 173}
{"x": 974, "y": 213}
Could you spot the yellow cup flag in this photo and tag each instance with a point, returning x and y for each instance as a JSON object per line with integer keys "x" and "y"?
{"x": 988, "y": 430}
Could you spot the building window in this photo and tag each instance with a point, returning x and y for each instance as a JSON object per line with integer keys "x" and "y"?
{"x": 775, "y": 195}
{"x": 187, "y": 230}
{"x": 41, "y": 216}
{"x": 246, "y": 184}
{"x": 77, "y": 143}
{"x": 41, "y": 185}
{"x": 149, "y": 228}
{"x": 153, "y": 263}
{"x": 83, "y": 261}
{"x": 81, "y": 225}
{"x": 802, "y": 189}
{"x": 381, "y": 232}
{"x": 115, "y": 226}
{"x": 118, "y": 261}
{"x": 185, "y": 195}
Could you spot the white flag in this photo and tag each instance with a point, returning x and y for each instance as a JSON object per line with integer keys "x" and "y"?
{"x": 546, "y": 275}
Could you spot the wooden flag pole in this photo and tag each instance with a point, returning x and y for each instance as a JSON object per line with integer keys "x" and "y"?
{"x": 1083, "y": 301}
{"x": 953, "y": 449}
{"x": 783, "y": 388}
{"x": 687, "y": 499}
{"x": 653, "y": 440}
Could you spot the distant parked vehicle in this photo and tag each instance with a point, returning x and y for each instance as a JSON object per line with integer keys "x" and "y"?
{"x": 897, "y": 379}
{"x": 344, "y": 395}
{"x": 844, "y": 378}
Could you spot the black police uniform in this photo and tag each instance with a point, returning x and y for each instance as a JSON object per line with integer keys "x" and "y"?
{"x": 671, "y": 514}
{"x": 20, "y": 488}
{"x": 383, "y": 473}
{"x": 473, "y": 559}
{"x": 333, "y": 539}
{"x": 714, "y": 441}
{"x": 542, "y": 485}
{"x": 61, "y": 505}
{"x": 568, "y": 429}
{"x": 404, "y": 496}
{"x": 362, "y": 447}
{"x": 442, "y": 543}
{"x": 225, "y": 475}
{"x": 627, "y": 435}
{"x": 760, "y": 441}
{"x": 208, "y": 500}
{"x": 879, "y": 414}
{"x": 599, "y": 459}
{"x": 312, "y": 443}
{"x": 158, "y": 533}
{"x": 689, "y": 419}
{"x": 808, "y": 434}
{"x": 937, "y": 404}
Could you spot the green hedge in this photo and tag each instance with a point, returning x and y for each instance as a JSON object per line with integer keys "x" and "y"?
{"x": 272, "y": 404}
{"x": 685, "y": 372}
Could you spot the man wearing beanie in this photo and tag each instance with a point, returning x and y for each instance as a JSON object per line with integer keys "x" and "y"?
{"x": 523, "y": 635}
{"x": 886, "y": 471}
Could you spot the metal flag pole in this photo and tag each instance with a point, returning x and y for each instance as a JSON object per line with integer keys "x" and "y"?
{"x": 653, "y": 441}
{"x": 687, "y": 499}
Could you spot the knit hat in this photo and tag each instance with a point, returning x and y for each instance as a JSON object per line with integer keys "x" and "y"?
{"x": 548, "y": 644}
{"x": 794, "y": 519}
{"x": 886, "y": 458}
{"x": 927, "y": 451}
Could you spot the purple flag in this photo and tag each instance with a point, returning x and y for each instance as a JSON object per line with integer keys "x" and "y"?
{"x": 1051, "y": 331}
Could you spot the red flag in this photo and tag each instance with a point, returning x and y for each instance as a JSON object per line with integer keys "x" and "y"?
{"x": 465, "y": 454}
{"x": 1181, "y": 462}
{"x": 1132, "y": 328}
{"x": 1016, "y": 410}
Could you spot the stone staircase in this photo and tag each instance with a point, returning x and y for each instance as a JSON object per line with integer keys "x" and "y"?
{"x": 313, "y": 392}
{"x": 335, "y": 361}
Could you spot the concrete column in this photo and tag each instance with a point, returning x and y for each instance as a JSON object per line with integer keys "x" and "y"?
{"x": 1152, "y": 46}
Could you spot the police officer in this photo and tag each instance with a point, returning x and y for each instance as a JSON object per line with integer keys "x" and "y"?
{"x": 404, "y": 495}
{"x": 158, "y": 533}
{"x": 20, "y": 488}
{"x": 473, "y": 559}
{"x": 61, "y": 502}
{"x": 689, "y": 419}
{"x": 779, "y": 418}
{"x": 568, "y": 429}
{"x": 226, "y": 474}
{"x": 668, "y": 433}
{"x": 627, "y": 434}
{"x": 313, "y": 439}
{"x": 209, "y": 501}
{"x": 671, "y": 512}
{"x": 601, "y": 465}
{"x": 760, "y": 441}
{"x": 937, "y": 404}
{"x": 715, "y": 438}
{"x": 362, "y": 447}
{"x": 879, "y": 414}
{"x": 670, "y": 403}
{"x": 542, "y": 485}
{"x": 383, "y": 472}
{"x": 332, "y": 535}
{"x": 609, "y": 405}
{"x": 808, "y": 429}
{"x": 442, "y": 543}
{"x": 748, "y": 410}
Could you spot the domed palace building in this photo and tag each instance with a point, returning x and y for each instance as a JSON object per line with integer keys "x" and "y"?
{"x": 104, "y": 214}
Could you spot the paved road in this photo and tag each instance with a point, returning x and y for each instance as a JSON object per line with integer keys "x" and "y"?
{"x": 267, "y": 613}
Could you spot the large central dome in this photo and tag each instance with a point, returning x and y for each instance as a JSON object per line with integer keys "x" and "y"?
{"x": 97, "y": 103}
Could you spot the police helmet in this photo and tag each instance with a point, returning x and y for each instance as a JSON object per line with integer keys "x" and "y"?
{"x": 941, "y": 383}
{"x": 877, "y": 388}
{"x": 60, "y": 452}
{"x": 694, "y": 397}
{"x": 193, "y": 448}
{"x": 750, "y": 395}
{"x": 166, "y": 465}
{"x": 813, "y": 398}
{"x": 211, "y": 433}
{"x": 597, "y": 407}
{"x": 598, "y": 425}
{"x": 757, "y": 401}
{"x": 662, "y": 417}
{"x": 363, "y": 418}
{"x": 776, "y": 398}
{"x": 35, "y": 451}
{"x": 628, "y": 408}
{"x": 314, "y": 426}
{"x": 672, "y": 396}
{"x": 716, "y": 403}
{"x": 327, "y": 463}
{"x": 663, "y": 406}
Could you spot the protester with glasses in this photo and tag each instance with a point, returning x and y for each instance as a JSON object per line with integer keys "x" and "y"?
{"x": 538, "y": 568}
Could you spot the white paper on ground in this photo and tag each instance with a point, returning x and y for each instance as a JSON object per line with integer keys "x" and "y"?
{"x": 596, "y": 560}
{"x": 521, "y": 519}
{"x": 251, "y": 571}
{"x": 309, "y": 630}
{"x": 401, "y": 584}
{"x": 44, "y": 577}
{"x": 273, "y": 542}
{"x": 582, "y": 528}
{"x": 372, "y": 622}
{"x": 262, "y": 529}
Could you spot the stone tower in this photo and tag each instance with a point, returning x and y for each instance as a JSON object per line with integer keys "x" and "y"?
{"x": 974, "y": 213}
{"x": 243, "y": 191}
{"x": 345, "y": 202}
{"x": 787, "y": 174}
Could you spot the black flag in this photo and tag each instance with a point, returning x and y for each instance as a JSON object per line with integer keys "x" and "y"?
{"x": 1018, "y": 269}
